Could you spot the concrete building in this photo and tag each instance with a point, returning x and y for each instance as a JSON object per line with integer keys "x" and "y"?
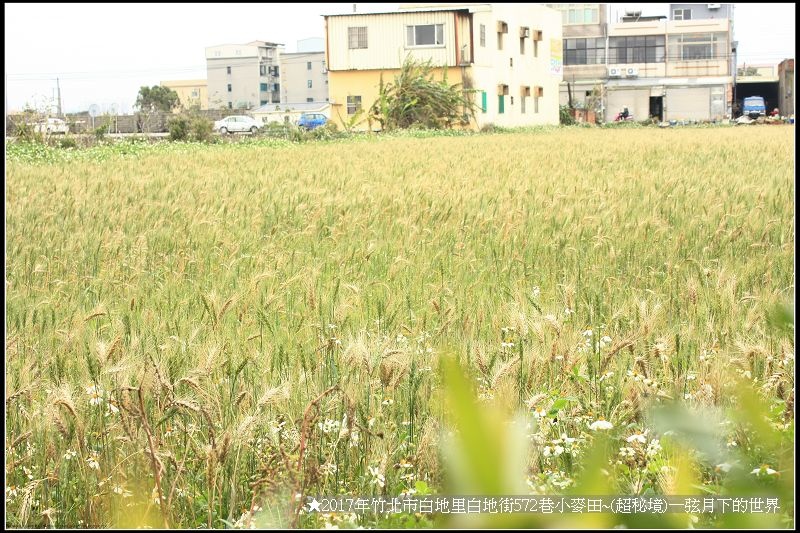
{"x": 786, "y": 87}
{"x": 677, "y": 69}
{"x": 304, "y": 77}
{"x": 509, "y": 54}
{"x": 700, "y": 11}
{"x": 243, "y": 76}
{"x": 192, "y": 93}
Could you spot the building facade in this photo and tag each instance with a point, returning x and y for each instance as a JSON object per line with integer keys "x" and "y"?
{"x": 677, "y": 69}
{"x": 193, "y": 94}
{"x": 243, "y": 76}
{"x": 304, "y": 77}
{"x": 509, "y": 55}
{"x": 786, "y": 87}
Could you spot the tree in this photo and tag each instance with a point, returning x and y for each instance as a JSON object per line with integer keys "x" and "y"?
{"x": 156, "y": 98}
{"x": 416, "y": 98}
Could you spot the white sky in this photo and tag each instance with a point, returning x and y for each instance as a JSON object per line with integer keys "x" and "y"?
{"x": 103, "y": 53}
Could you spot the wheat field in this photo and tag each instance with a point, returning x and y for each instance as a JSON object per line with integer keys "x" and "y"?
{"x": 203, "y": 336}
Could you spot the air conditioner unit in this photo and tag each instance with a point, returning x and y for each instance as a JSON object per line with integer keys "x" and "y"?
{"x": 524, "y": 32}
{"x": 614, "y": 72}
{"x": 631, "y": 72}
{"x": 537, "y": 35}
{"x": 714, "y": 6}
{"x": 502, "y": 27}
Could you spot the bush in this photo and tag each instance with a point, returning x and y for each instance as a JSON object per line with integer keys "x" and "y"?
{"x": 178, "y": 129}
{"x": 68, "y": 142}
{"x": 100, "y": 132}
{"x": 201, "y": 129}
{"x": 564, "y": 116}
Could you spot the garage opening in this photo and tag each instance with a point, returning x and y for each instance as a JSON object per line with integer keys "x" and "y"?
{"x": 766, "y": 89}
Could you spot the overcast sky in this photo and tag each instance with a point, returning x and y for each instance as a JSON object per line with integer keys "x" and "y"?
{"x": 103, "y": 53}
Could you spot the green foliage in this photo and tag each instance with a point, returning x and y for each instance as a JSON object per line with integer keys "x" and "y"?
{"x": 68, "y": 142}
{"x": 417, "y": 99}
{"x": 156, "y": 98}
{"x": 201, "y": 129}
{"x": 565, "y": 118}
{"x": 179, "y": 128}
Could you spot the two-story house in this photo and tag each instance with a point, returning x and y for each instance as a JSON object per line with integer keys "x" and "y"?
{"x": 510, "y": 55}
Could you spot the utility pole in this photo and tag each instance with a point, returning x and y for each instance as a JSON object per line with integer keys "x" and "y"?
{"x": 59, "y": 97}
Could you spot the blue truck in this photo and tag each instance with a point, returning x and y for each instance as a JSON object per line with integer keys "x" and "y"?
{"x": 754, "y": 107}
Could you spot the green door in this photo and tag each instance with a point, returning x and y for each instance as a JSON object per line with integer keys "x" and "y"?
{"x": 483, "y": 101}
{"x": 501, "y": 108}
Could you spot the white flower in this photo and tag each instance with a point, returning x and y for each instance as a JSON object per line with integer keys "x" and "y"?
{"x": 606, "y": 376}
{"x": 11, "y": 491}
{"x": 600, "y": 425}
{"x": 567, "y": 440}
{"x": 558, "y": 450}
{"x": 507, "y": 345}
{"x": 723, "y": 467}
{"x": 28, "y": 472}
{"x": 377, "y": 477}
{"x": 653, "y": 448}
{"x": 540, "y": 412}
{"x": 627, "y": 452}
{"x": 112, "y": 408}
{"x": 71, "y": 454}
{"x": 764, "y": 470}
{"x": 546, "y": 451}
{"x": 691, "y": 377}
{"x": 93, "y": 463}
{"x": 535, "y": 292}
{"x": 95, "y": 394}
{"x": 638, "y": 437}
{"x": 604, "y": 341}
{"x": 588, "y": 333}
{"x": 387, "y": 401}
{"x": 568, "y": 311}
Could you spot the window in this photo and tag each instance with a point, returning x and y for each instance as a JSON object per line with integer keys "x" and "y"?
{"x": 499, "y": 41}
{"x": 522, "y": 104}
{"x": 522, "y": 46}
{"x": 636, "y": 49}
{"x": 357, "y": 37}
{"x": 309, "y": 99}
{"x": 230, "y": 105}
{"x": 229, "y": 70}
{"x": 698, "y": 46}
{"x": 579, "y": 13}
{"x": 353, "y": 104}
{"x": 262, "y": 70}
{"x": 425, "y": 35}
{"x": 195, "y": 93}
{"x": 590, "y": 51}
{"x": 681, "y": 14}
{"x": 263, "y": 102}
{"x": 308, "y": 65}
{"x": 265, "y": 87}
{"x": 483, "y": 34}
{"x": 510, "y": 61}
{"x": 230, "y": 87}
{"x": 309, "y": 84}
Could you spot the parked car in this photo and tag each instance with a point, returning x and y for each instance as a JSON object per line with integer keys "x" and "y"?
{"x": 51, "y": 125}
{"x": 310, "y": 121}
{"x": 236, "y": 123}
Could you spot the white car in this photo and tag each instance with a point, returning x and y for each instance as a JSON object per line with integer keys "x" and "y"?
{"x": 52, "y": 125}
{"x": 236, "y": 123}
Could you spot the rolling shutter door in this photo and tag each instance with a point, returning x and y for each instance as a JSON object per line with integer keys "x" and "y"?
{"x": 688, "y": 104}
